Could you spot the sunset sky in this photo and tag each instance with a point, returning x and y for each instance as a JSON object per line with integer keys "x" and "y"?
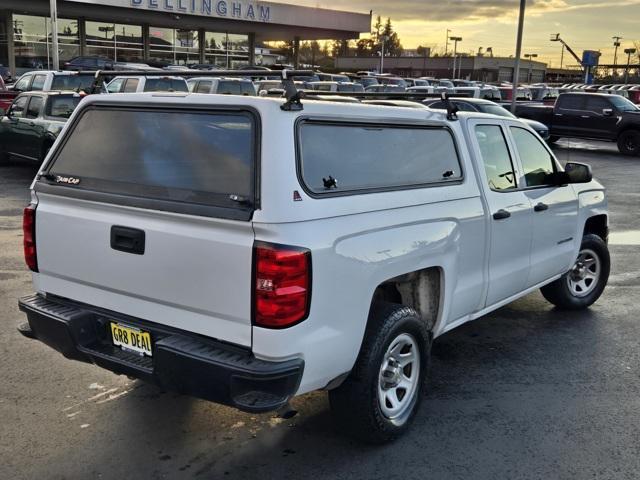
{"x": 583, "y": 24}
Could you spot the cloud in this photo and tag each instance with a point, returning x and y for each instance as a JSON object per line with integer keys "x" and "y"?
{"x": 468, "y": 11}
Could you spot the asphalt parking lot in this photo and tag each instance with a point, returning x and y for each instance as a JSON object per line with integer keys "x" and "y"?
{"x": 525, "y": 393}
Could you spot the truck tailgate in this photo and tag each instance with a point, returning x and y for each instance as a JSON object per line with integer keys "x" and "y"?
{"x": 195, "y": 273}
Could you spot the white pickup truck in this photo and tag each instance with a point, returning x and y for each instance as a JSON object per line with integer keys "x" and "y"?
{"x": 245, "y": 250}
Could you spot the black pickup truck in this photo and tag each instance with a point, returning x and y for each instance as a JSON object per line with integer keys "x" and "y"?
{"x": 590, "y": 115}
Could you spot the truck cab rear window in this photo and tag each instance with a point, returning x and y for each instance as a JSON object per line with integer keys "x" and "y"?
{"x": 192, "y": 157}
{"x": 346, "y": 157}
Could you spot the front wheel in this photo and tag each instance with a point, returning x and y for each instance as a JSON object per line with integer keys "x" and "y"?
{"x": 629, "y": 142}
{"x": 378, "y": 400}
{"x": 581, "y": 286}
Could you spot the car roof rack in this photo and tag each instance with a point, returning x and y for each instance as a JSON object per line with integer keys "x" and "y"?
{"x": 291, "y": 93}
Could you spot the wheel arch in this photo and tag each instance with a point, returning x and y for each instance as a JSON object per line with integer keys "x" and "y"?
{"x": 421, "y": 290}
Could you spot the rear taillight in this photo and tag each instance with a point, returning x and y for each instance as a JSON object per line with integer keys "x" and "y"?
{"x": 282, "y": 285}
{"x": 29, "y": 242}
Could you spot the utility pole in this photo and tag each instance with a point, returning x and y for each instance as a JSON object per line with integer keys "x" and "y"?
{"x": 455, "y": 41}
{"x": 530, "y": 56}
{"x": 54, "y": 35}
{"x": 629, "y": 52}
{"x": 616, "y": 44}
{"x": 516, "y": 68}
{"x": 384, "y": 38}
{"x": 561, "y": 56}
{"x": 446, "y": 45}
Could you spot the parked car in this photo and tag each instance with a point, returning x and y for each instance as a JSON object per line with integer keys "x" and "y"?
{"x": 492, "y": 108}
{"x": 385, "y": 88}
{"x": 223, "y": 86}
{"x": 350, "y": 87}
{"x": 33, "y": 122}
{"x": 421, "y": 89}
{"x": 53, "y": 80}
{"x": 332, "y": 77}
{"x": 391, "y": 80}
{"x": 137, "y": 84}
{"x": 316, "y": 247}
{"x": 417, "y": 82}
{"x": 590, "y": 115}
{"x": 89, "y": 62}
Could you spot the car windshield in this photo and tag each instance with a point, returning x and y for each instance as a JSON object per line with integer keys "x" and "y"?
{"x": 72, "y": 82}
{"x": 496, "y": 110}
{"x": 623, "y": 104}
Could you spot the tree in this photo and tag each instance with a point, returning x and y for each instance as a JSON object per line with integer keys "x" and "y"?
{"x": 392, "y": 47}
{"x": 340, "y": 48}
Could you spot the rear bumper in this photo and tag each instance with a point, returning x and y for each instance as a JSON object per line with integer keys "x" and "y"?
{"x": 182, "y": 362}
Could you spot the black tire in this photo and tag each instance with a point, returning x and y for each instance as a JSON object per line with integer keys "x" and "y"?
{"x": 4, "y": 157}
{"x": 355, "y": 404}
{"x": 553, "y": 139}
{"x": 562, "y": 295}
{"x": 629, "y": 142}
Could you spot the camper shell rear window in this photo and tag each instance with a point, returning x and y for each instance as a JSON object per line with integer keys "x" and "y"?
{"x": 191, "y": 161}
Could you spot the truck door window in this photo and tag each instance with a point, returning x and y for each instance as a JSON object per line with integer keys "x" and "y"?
{"x": 537, "y": 162}
{"x": 38, "y": 82}
{"x": 114, "y": 87}
{"x": 22, "y": 84}
{"x": 571, "y": 102}
{"x": 204, "y": 86}
{"x": 496, "y": 158}
{"x": 35, "y": 107}
{"x": 597, "y": 104}
{"x": 131, "y": 85}
{"x": 18, "y": 107}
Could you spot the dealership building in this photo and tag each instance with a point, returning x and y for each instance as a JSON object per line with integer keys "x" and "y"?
{"x": 220, "y": 32}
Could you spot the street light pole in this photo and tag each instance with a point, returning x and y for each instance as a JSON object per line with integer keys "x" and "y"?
{"x": 455, "y": 41}
{"x": 629, "y": 52}
{"x": 616, "y": 44}
{"x": 384, "y": 39}
{"x": 516, "y": 69}
{"x": 54, "y": 35}
{"x": 530, "y": 56}
{"x": 446, "y": 45}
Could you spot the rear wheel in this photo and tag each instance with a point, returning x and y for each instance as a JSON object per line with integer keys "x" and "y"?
{"x": 629, "y": 142}
{"x": 378, "y": 400}
{"x": 584, "y": 283}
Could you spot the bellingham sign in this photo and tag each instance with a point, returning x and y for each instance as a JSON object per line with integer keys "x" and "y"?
{"x": 217, "y": 8}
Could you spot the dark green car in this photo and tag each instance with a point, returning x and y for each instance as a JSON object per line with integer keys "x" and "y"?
{"x": 33, "y": 122}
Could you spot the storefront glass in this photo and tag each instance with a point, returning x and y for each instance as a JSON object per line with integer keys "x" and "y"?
{"x": 116, "y": 41}
{"x": 226, "y": 50}
{"x": 32, "y": 41}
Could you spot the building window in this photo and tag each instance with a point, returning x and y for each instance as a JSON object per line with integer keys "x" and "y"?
{"x": 174, "y": 46}
{"x": 32, "y": 41}
{"x": 118, "y": 42}
{"x": 226, "y": 50}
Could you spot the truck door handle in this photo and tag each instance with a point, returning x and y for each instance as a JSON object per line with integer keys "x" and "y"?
{"x": 501, "y": 214}
{"x": 541, "y": 207}
{"x": 128, "y": 240}
{"x": 585, "y": 116}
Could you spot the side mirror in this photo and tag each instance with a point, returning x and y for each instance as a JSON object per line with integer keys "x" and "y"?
{"x": 578, "y": 172}
{"x": 607, "y": 112}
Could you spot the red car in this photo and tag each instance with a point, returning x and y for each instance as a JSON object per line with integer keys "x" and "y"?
{"x": 6, "y": 96}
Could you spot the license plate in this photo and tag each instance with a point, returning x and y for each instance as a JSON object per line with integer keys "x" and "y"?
{"x": 132, "y": 339}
